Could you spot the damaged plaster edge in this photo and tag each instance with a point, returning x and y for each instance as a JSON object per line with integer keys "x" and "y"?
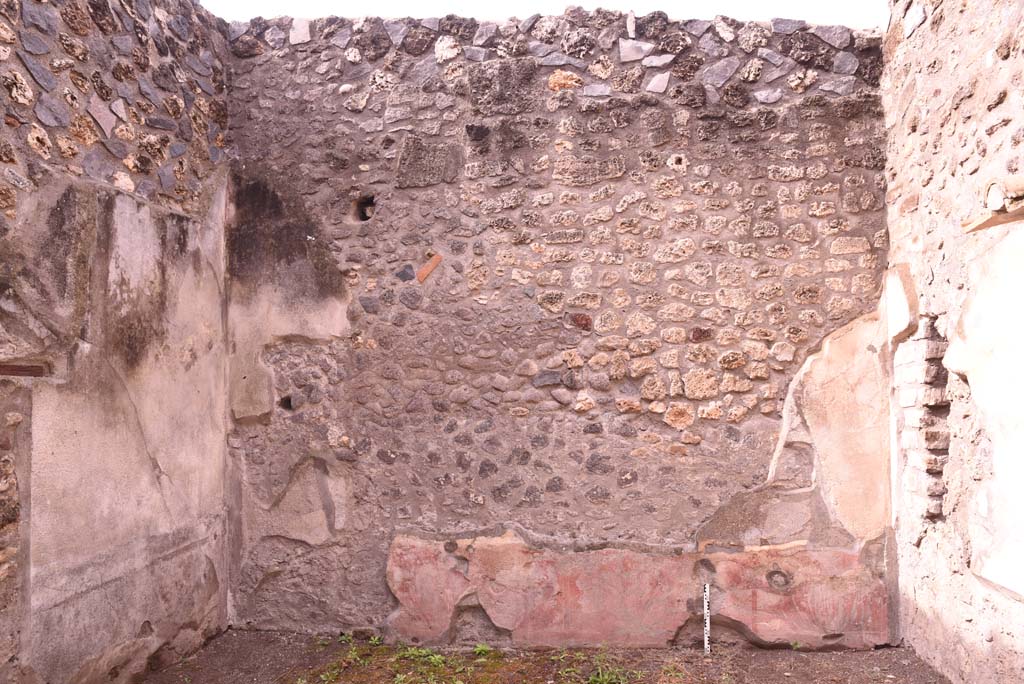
{"x": 541, "y": 542}
{"x": 252, "y": 380}
{"x": 791, "y": 421}
{"x": 792, "y": 413}
{"x": 871, "y": 336}
{"x": 161, "y": 202}
{"x": 792, "y": 416}
{"x": 249, "y": 360}
{"x": 252, "y": 398}
{"x": 297, "y": 338}
{"x": 897, "y": 308}
{"x": 902, "y": 322}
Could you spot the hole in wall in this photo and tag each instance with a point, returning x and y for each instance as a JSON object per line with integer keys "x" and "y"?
{"x": 285, "y": 402}
{"x": 363, "y": 208}
{"x": 676, "y": 162}
{"x": 778, "y": 579}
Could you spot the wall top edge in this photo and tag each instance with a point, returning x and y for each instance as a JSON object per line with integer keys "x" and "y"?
{"x": 599, "y": 18}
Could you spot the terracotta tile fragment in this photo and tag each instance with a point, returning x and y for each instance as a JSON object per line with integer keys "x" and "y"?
{"x": 428, "y": 268}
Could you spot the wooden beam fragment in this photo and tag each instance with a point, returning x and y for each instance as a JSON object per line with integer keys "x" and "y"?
{"x": 25, "y": 370}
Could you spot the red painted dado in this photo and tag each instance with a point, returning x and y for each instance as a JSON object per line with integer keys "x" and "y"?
{"x": 618, "y": 597}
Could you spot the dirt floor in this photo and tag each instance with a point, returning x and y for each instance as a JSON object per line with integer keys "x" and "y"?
{"x": 280, "y": 658}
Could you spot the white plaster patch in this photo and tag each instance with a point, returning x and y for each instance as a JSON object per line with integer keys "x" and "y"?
{"x": 135, "y": 250}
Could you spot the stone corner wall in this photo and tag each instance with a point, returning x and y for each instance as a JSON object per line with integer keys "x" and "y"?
{"x": 583, "y": 258}
{"x": 112, "y": 193}
{"x": 952, "y": 94}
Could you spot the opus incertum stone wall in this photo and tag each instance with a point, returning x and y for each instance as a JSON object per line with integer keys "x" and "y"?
{"x": 582, "y": 259}
{"x": 450, "y": 330}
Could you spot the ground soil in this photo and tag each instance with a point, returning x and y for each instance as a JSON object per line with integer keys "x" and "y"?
{"x": 281, "y": 658}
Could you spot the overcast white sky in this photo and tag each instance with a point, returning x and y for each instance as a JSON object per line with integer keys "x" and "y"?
{"x": 853, "y": 13}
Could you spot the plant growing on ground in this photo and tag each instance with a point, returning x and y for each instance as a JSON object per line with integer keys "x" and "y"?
{"x": 482, "y": 650}
{"x": 331, "y": 674}
{"x": 354, "y": 657}
{"x": 569, "y": 674}
{"x": 423, "y": 655}
{"x": 605, "y": 674}
{"x": 673, "y": 672}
